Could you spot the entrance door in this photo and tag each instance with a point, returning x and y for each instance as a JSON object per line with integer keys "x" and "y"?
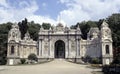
{"x": 10, "y": 61}
{"x": 59, "y": 49}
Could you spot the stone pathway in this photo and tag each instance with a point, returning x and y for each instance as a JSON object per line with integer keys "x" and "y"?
{"x": 58, "y": 66}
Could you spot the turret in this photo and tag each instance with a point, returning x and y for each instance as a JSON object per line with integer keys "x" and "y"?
{"x": 105, "y": 31}
{"x": 14, "y": 38}
{"x": 27, "y": 36}
{"x": 14, "y": 34}
{"x": 106, "y": 44}
{"x": 78, "y": 30}
{"x": 93, "y": 34}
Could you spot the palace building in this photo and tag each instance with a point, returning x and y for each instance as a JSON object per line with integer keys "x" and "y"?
{"x": 61, "y": 42}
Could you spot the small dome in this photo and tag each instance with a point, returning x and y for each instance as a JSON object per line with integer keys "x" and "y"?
{"x": 15, "y": 25}
{"x": 60, "y": 25}
{"x": 104, "y": 24}
{"x": 93, "y": 30}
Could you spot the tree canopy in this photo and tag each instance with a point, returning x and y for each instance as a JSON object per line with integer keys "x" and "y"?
{"x": 4, "y": 28}
{"x": 85, "y": 27}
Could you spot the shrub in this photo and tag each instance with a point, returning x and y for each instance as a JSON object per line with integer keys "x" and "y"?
{"x": 87, "y": 59}
{"x": 95, "y": 60}
{"x": 32, "y": 57}
{"x": 116, "y": 59}
{"x": 22, "y": 61}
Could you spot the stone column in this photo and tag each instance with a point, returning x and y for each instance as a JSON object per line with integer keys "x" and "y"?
{"x": 40, "y": 47}
{"x": 49, "y": 50}
{"x": 66, "y": 48}
{"x": 8, "y": 50}
{"x": 69, "y": 48}
{"x": 78, "y": 48}
{"x": 52, "y": 48}
{"x": 18, "y": 50}
{"x": 15, "y": 50}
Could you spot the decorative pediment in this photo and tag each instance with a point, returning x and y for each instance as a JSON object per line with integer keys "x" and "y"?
{"x": 12, "y": 41}
{"x": 27, "y": 36}
{"x": 107, "y": 40}
{"x": 59, "y": 27}
{"x": 104, "y": 24}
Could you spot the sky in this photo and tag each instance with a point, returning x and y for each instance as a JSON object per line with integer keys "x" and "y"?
{"x": 68, "y": 12}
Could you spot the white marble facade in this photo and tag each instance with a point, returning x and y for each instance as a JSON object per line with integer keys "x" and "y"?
{"x": 62, "y": 42}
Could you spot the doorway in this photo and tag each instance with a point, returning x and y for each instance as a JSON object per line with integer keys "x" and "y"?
{"x": 59, "y": 49}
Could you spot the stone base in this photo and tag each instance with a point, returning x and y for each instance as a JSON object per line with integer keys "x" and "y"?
{"x": 75, "y": 60}
{"x": 107, "y": 60}
{"x": 13, "y": 61}
{"x": 44, "y": 59}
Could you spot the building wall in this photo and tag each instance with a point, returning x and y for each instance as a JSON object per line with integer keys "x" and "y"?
{"x": 18, "y": 48}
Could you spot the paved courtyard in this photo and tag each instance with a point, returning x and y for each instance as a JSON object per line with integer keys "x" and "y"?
{"x": 58, "y": 66}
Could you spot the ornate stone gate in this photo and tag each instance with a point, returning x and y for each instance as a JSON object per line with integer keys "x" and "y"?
{"x": 61, "y": 42}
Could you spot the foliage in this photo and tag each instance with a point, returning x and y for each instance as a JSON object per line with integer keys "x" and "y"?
{"x": 46, "y": 25}
{"x": 116, "y": 59}
{"x": 32, "y": 57}
{"x": 85, "y": 27}
{"x": 23, "y": 27}
{"x": 95, "y": 60}
{"x": 86, "y": 59}
{"x": 111, "y": 69}
{"x": 4, "y": 28}
{"x": 33, "y": 29}
{"x": 22, "y": 61}
{"x": 114, "y": 23}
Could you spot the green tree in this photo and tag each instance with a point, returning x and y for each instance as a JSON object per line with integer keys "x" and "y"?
{"x": 46, "y": 25}
{"x": 4, "y": 29}
{"x": 22, "y": 61}
{"x": 23, "y": 27}
{"x": 33, "y": 29}
{"x": 99, "y": 23}
{"x": 32, "y": 57}
{"x": 114, "y": 23}
{"x": 85, "y": 27}
{"x": 116, "y": 59}
{"x": 73, "y": 26}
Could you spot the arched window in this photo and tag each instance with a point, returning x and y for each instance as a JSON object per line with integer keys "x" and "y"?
{"x": 12, "y": 50}
{"x": 107, "y": 49}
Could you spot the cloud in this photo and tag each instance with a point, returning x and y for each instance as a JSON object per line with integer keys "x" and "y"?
{"x": 15, "y": 12}
{"x": 44, "y": 4}
{"x": 75, "y": 11}
{"x": 41, "y": 19}
{"x": 80, "y": 10}
{"x": 3, "y": 3}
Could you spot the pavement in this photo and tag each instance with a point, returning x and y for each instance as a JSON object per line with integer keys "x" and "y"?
{"x": 1, "y": 68}
{"x": 58, "y": 66}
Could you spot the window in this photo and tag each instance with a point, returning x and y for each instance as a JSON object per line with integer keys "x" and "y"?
{"x": 12, "y": 50}
{"x": 107, "y": 49}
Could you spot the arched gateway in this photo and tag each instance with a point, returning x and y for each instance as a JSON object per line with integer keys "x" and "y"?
{"x": 59, "y": 49}
{"x": 61, "y": 42}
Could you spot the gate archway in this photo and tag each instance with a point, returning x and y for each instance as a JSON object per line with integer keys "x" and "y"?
{"x": 59, "y": 49}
